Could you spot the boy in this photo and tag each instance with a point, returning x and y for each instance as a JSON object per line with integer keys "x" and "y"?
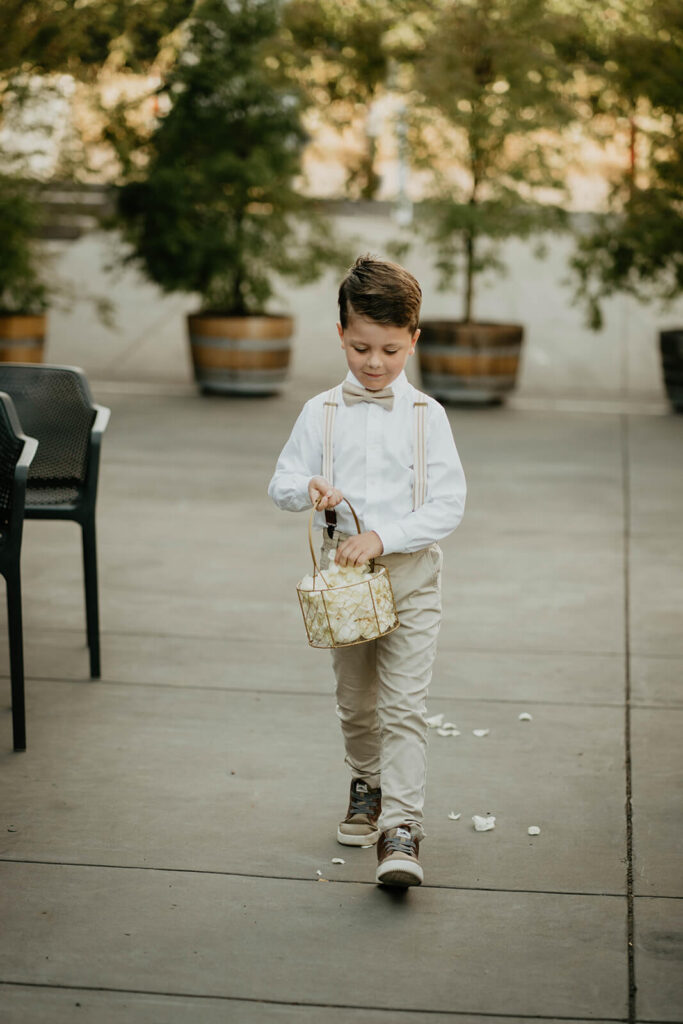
{"x": 391, "y": 453}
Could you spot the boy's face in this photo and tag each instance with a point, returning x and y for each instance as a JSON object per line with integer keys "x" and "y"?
{"x": 376, "y": 353}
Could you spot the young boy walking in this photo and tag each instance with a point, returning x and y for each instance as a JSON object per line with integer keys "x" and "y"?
{"x": 389, "y": 450}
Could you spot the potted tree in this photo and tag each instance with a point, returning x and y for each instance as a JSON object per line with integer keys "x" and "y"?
{"x": 215, "y": 209}
{"x": 494, "y": 98}
{"x": 636, "y": 246}
{"x": 24, "y": 293}
{"x": 39, "y": 42}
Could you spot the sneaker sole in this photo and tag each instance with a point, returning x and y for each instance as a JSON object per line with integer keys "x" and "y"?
{"x": 403, "y": 875}
{"x": 349, "y": 840}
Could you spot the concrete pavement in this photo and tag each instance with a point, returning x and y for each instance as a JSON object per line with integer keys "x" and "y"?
{"x": 166, "y": 840}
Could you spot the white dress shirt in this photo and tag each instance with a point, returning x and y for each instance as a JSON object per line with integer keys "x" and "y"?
{"x": 373, "y": 468}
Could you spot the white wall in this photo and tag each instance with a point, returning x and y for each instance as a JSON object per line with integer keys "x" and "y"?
{"x": 561, "y": 357}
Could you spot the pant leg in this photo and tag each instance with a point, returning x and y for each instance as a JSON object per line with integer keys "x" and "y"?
{"x": 404, "y": 662}
{"x": 382, "y": 689}
{"x": 355, "y": 672}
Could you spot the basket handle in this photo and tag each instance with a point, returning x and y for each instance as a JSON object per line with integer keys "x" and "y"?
{"x": 310, "y": 534}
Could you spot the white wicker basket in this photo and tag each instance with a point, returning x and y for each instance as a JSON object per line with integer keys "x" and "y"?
{"x": 351, "y": 614}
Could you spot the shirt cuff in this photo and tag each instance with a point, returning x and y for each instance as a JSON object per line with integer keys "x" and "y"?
{"x": 393, "y": 538}
{"x": 300, "y": 492}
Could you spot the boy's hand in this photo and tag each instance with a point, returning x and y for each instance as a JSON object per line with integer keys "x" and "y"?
{"x": 323, "y": 494}
{"x": 360, "y": 549}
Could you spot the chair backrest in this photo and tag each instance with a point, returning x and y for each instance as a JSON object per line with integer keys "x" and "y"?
{"x": 55, "y": 406}
{"x": 12, "y": 444}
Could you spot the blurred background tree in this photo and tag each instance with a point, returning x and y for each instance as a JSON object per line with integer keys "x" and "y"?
{"x": 636, "y": 246}
{"x": 216, "y": 208}
{"x": 44, "y": 44}
{"x": 44, "y": 36}
{"x": 493, "y": 93}
{"x": 340, "y": 53}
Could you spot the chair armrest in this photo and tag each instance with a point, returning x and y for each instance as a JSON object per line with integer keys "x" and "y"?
{"x": 102, "y": 414}
{"x": 26, "y": 457}
{"x": 16, "y": 521}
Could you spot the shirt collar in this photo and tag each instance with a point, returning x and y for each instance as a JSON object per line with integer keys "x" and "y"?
{"x": 398, "y": 386}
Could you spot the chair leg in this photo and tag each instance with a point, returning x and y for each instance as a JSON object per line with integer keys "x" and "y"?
{"x": 91, "y": 602}
{"x": 16, "y": 657}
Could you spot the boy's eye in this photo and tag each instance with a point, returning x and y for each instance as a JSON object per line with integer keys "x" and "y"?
{"x": 391, "y": 351}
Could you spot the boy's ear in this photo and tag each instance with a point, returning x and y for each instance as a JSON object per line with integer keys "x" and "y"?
{"x": 340, "y": 332}
{"x": 413, "y": 343}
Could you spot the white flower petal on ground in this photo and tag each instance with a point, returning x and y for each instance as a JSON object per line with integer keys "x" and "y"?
{"x": 449, "y": 725}
{"x": 481, "y": 732}
{"x": 534, "y": 830}
{"x": 483, "y": 823}
{"x": 525, "y": 717}
{"x": 435, "y": 721}
{"x": 338, "y": 860}
{"x": 453, "y": 816}
{"x": 447, "y": 732}
{"x": 319, "y": 874}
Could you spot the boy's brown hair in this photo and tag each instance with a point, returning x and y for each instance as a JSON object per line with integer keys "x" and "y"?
{"x": 381, "y": 291}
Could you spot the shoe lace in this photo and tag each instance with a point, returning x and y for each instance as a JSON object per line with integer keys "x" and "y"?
{"x": 365, "y": 803}
{"x": 396, "y": 844}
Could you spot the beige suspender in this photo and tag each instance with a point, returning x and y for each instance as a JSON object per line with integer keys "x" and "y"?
{"x": 419, "y": 454}
{"x": 332, "y": 401}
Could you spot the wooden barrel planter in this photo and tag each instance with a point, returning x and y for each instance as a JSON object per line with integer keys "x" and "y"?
{"x": 22, "y": 338}
{"x": 240, "y": 355}
{"x": 469, "y": 363}
{"x": 671, "y": 347}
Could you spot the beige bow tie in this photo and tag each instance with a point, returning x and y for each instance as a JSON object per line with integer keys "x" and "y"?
{"x": 352, "y": 394}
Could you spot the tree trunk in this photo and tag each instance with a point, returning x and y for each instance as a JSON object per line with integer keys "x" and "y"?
{"x": 469, "y": 276}
{"x": 470, "y": 239}
{"x": 238, "y": 307}
{"x": 369, "y": 179}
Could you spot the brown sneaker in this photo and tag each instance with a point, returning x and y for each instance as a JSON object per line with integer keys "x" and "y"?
{"x": 397, "y": 852}
{"x": 359, "y": 827}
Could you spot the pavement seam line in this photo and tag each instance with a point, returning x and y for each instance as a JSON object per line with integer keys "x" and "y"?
{"x": 298, "y": 1002}
{"x": 201, "y": 687}
{"x": 630, "y": 921}
{"x": 256, "y": 639}
{"x": 616, "y": 705}
{"x": 310, "y": 878}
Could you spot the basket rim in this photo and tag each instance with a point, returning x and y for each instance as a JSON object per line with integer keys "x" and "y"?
{"x": 344, "y": 586}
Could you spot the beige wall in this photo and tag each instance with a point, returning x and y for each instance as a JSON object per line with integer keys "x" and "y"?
{"x": 561, "y": 358}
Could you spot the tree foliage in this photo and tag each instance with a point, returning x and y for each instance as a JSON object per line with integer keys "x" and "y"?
{"x": 22, "y": 288}
{"x": 216, "y": 209}
{"x": 342, "y": 54}
{"x": 69, "y": 36}
{"x": 637, "y": 245}
{"x": 493, "y": 73}
{"x": 40, "y": 39}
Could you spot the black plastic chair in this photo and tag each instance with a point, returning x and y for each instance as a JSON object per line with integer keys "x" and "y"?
{"x": 16, "y": 453}
{"x": 54, "y": 405}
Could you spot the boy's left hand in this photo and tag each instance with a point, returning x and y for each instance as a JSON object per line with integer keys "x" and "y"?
{"x": 360, "y": 549}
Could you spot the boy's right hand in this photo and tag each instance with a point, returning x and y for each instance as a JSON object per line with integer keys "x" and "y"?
{"x": 323, "y": 494}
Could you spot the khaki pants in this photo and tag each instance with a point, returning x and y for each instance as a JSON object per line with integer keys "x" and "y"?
{"x": 382, "y": 688}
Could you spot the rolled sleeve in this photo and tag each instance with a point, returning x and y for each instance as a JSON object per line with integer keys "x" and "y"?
{"x": 393, "y": 538}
